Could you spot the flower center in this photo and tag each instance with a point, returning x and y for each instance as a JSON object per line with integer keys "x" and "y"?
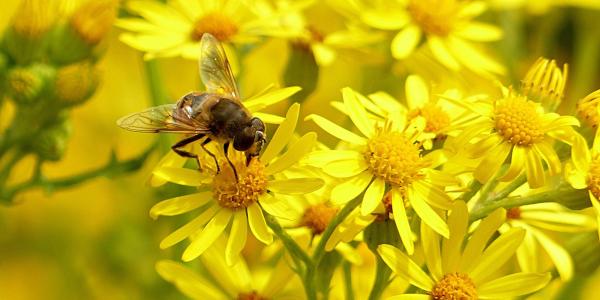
{"x": 217, "y": 24}
{"x": 392, "y": 157}
{"x": 513, "y": 213}
{"x": 593, "y": 180}
{"x": 243, "y": 193}
{"x": 250, "y": 296}
{"x": 317, "y": 217}
{"x": 437, "y": 119}
{"x": 518, "y": 121}
{"x": 587, "y": 109}
{"x": 433, "y": 16}
{"x": 454, "y": 286}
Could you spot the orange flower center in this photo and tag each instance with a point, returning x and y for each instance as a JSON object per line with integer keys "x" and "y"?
{"x": 235, "y": 195}
{"x": 394, "y": 158}
{"x": 513, "y": 213}
{"x": 437, "y": 119}
{"x": 518, "y": 121}
{"x": 317, "y": 217}
{"x": 454, "y": 286}
{"x": 251, "y": 296}
{"x": 217, "y": 24}
{"x": 434, "y": 16}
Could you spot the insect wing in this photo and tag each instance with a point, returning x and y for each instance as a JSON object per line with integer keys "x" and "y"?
{"x": 163, "y": 118}
{"x": 215, "y": 70}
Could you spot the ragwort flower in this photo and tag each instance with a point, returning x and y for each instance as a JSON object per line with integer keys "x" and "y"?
{"x": 388, "y": 157}
{"x": 459, "y": 270}
{"x": 234, "y": 201}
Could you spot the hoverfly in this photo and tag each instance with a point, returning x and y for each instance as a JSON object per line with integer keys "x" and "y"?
{"x": 216, "y": 115}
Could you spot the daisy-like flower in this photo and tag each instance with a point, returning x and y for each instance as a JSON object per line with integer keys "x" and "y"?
{"x": 286, "y": 19}
{"x": 386, "y": 158}
{"x": 469, "y": 272}
{"x": 222, "y": 281}
{"x": 539, "y": 220}
{"x": 254, "y": 104}
{"x": 446, "y": 25}
{"x": 175, "y": 28}
{"x": 583, "y": 171}
{"x": 516, "y": 126}
{"x": 238, "y": 202}
{"x": 587, "y": 109}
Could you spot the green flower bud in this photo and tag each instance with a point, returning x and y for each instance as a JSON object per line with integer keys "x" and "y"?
{"x": 25, "y": 40}
{"x": 26, "y": 84}
{"x": 381, "y": 232}
{"x": 75, "y": 83}
{"x": 86, "y": 28}
{"x": 51, "y": 143}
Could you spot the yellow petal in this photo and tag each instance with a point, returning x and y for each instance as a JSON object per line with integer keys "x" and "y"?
{"x": 273, "y": 206}
{"x": 534, "y": 169}
{"x": 559, "y": 256}
{"x": 187, "y": 281}
{"x": 357, "y": 112}
{"x": 237, "y": 238}
{"x": 282, "y": 135}
{"x": 490, "y": 165}
{"x": 295, "y": 185}
{"x": 405, "y": 42}
{"x": 295, "y": 152}
{"x": 457, "y": 221}
{"x": 427, "y": 214}
{"x": 473, "y": 58}
{"x": 441, "y": 53}
{"x": 258, "y": 226}
{"x": 497, "y": 254}
{"x": 260, "y": 102}
{"x": 401, "y": 221}
{"x": 337, "y": 131}
{"x": 576, "y": 178}
{"x": 517, "y": 163}
{"x": 324, "y": 55}
{"x": 487, "y": 227}
{"x": 182, "y": 176}
{"x": 209, "y": 234}
{"x": 269, "y": 118}
{"x": 431, "y": 249}
{"x": 373, "y": 196}
{"x": 188, "y": 229}
{"x": 345, "y": 168}
{"x": 322, "y": 157}
{"x": 580, "y": 154}
{"x": 434, "y": 195}
{"x": 479, "y": 32}
{"x": 180, "y": 205}
{"x": 348, "y": 190}
{"x": 513, "y": 285}
{"x": 404, "y": 267}
{"x": 417, "y": 92}
{"x": 386, "y": 20}
{"x": 171, "y": 159}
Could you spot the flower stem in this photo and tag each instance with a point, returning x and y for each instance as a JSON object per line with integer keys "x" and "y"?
{"x": 319, "y": 252}
{"x": 288, "y": 242}
{"x": 347, "y": 268}
{"x": 382, "y": 276}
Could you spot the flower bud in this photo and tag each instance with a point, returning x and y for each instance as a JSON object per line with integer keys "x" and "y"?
{"x": 26, "y": 84}
{"x": 86, "y": 28}
{"x": 75, "y": 83}
{"x": 52, "y": 142}
{"x": 26, "y": 38}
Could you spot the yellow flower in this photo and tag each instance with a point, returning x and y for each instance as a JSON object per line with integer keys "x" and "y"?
{"x": 223, "y": 281}
{"x": 587, "y": 109}
{"x": 537, "y": 220}
{"x": 175, "y": 29}
{"x": 469, "y": 272}
{"x": 545, "y": 83}
{"x": 447, "y": 26}
{"x": 238, "y": 202}
{"x": 583, "y": 171}
{"x": 386, "y": 157}
{"x": 285, "y": 19}
{"x": 514, "y": 124}
{"x": 254, "y": 104}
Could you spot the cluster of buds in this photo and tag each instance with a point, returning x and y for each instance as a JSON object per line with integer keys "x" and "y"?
{"x": 48, "y": 57}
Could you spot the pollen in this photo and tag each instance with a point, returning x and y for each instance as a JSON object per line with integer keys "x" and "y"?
{"x": 454, "y": 286}
{"x": 394, "y": 158}
{"x": 518, "y": 121}
{"x": 434, "y": 16}
{"x": 250, "y": 296}
{"x": 318, "y": 217}
{"x": 217, "y": 24}
{"x": 513, "y": 213}
{"x": 436, "y": 118}
{"x": 587, "y": 109}
{"x": 235, "y": 195}
{"x": 593, "y": 179}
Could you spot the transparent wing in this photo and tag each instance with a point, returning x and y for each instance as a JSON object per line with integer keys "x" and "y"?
{"x": 215, "y": 70}
{"x": 163, "y": 118}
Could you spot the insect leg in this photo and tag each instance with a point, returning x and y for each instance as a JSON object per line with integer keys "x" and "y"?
{"x": 225, "y": 149}
{"x": 183, "y": 143}
{"x": 208, "y": 140}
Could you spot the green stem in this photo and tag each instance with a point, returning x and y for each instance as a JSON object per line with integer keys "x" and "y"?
{"x": 288, "y": 242}
{"x": 382, "y": 276}
{"x": 347, "y": 268}
{"x": 309, "y": 279}
{"x": 112, "y": 168}
{"x": 511, "y": 187}
{"x": 473, "y": 189}
{"x": 158, "y": 96}
{"x": 7, "y": 169}
{"x": 509, "y": 202}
